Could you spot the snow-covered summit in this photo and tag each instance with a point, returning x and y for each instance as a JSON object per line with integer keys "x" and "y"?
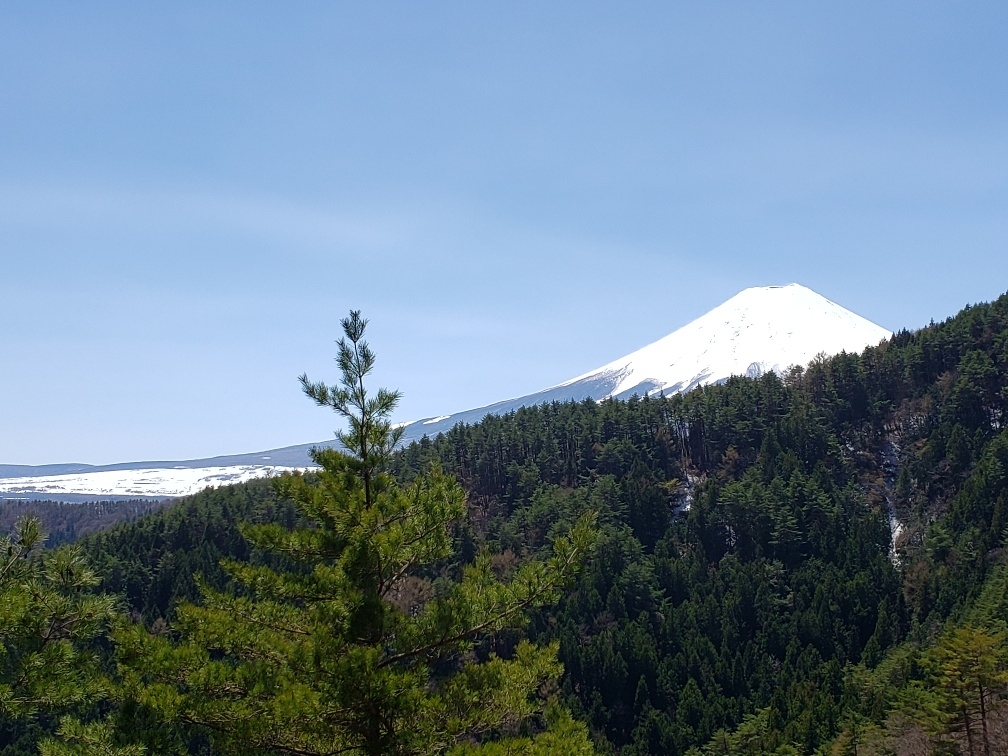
{"x": 756, "y": 331}
{"x": 762, "y": 329}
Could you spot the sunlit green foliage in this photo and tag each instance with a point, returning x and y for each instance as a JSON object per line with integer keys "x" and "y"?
{"x": 323, "y": 657}
{"x": 48, "y": 617}
{"x": 746, "y": 593}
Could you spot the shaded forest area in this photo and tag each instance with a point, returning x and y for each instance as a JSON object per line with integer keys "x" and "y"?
{"x": 65, "y": 522}
{"x": 812, "y": 563}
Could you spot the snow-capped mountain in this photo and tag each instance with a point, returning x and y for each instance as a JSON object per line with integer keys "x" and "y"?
{"x": 761, "y": 329}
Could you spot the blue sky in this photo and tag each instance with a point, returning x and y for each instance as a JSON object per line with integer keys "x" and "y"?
{"x": 193, "y": 195}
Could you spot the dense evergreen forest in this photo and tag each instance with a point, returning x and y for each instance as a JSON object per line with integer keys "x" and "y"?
{"x": 65, "y": 522}
{"x": 812, "y": 563}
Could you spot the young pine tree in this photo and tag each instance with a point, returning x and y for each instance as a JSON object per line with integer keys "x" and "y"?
{"x": 317, "y": 659}
{"x": 49, "y": 615}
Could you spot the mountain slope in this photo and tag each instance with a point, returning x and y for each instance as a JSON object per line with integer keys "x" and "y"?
{"x": 772, "y": 605}
{"x": 759, "y": 330}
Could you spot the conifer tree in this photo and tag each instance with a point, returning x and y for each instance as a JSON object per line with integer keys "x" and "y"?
{"x": 971, "y": 673}
{"x": 317, "y": 658}
{"x": 48, "y": 615}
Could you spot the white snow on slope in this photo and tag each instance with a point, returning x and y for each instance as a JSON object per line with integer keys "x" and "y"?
{"x": 435, "y": 419}
{"x": 759, "y": 330}
{"x": 166, "y": 482}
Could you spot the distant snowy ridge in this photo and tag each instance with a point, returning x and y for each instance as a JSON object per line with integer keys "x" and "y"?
{"x": 288, "y": 456}
{"x": 759, "y": 330}
{"x": 143, "y": 483}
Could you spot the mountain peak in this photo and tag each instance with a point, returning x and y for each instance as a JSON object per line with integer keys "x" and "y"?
{"x": 760, "y": 329}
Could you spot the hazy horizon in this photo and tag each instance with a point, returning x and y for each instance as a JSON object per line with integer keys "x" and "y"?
{"x": 191, "y": 197}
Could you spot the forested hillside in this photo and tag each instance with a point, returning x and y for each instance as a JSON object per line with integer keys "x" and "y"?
{"x": 65, "y": 522}
{"x": 748, "y": 559}
{"x": 813, "y": 563}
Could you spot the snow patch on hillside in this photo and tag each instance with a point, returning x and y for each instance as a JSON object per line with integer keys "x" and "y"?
{"x": 160, "y": 482}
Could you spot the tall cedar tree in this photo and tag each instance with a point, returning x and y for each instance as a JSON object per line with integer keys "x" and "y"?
{"x": 318, "y": 659}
